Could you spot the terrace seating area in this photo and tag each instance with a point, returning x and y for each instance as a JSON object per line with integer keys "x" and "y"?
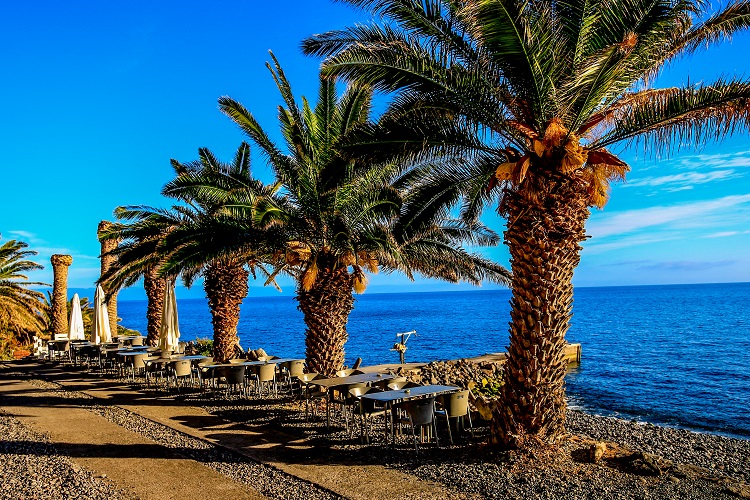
{"x": 370, "y": 405}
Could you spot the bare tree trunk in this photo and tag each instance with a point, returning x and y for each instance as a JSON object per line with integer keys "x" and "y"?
{"x": 326, "y": 307}
{"x": 155, "y": 288}
{"x": 543, "y": 238}
{"x": 60, "y": 265}
{"x": 226, "y": 287}
{"x": 107, "y": 262}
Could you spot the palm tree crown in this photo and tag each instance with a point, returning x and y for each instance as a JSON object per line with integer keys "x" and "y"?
{"x": 343, "y": 217}
{"x": 184, "y": 241}
{"x": 22, "y": 311}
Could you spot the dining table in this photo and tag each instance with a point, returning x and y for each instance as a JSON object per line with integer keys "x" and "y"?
{"x": 336, "y": 382}
{"x": 389, "y": 398}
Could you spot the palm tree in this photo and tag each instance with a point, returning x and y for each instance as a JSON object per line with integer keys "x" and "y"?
{"x": 23, "y": 312}
{"x": 341, "y": 216}
{"x": 178, "y": 241}
{"x": 518, "y": 102}
{"x": 137, "y": 245}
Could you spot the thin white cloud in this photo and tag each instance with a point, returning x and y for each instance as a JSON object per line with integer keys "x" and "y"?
{"x": 719, "y": 160}
{"x": 683, "y": 180}
{"x": 624, "y": 242}
{"x": 685, "y": 265}
{"x": 26, "y": 236}
{"x": 686, "y": 214}
{"x": 725, "y": 234}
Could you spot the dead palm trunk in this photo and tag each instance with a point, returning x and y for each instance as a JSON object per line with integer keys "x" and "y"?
{"x": 543, "y": 238}
{"x": 59, "y": 313}
{"x": 226, "y": 287}
{"x": 155, "y": 288}
{"x": 326, "y": 307}
{"x": 108, "y": 262}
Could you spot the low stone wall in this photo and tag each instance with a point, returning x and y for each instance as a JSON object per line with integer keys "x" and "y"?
{"x": 459, "y": 372}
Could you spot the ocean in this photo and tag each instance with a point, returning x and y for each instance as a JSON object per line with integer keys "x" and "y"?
{"x": 675, "y": 355}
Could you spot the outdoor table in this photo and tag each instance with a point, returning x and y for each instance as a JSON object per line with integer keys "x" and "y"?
{"x": 330, "y": 383}
{"x": 276, "y": 361}
{"x": 388, "y": 398}
{"x": 57, "y": 346}
{"x": 77, "y": 345}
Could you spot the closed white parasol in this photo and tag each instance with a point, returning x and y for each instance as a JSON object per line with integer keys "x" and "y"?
{"x": 100, "y": 332}
{"x": 76, "y": 320}
{"x": 169, "y": 332}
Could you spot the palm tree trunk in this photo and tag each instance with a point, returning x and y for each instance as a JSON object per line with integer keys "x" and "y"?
{"x": 326, "y": 307}
{"x": 108, "y": 262}
{"x": 59, "y": 312}
{"x": 543, "y": 238}
{"x": 155, "y": 288}
{"x": 226, "y": 287}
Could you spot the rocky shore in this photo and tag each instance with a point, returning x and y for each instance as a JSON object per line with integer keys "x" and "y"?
{"x": 635, "y": 460}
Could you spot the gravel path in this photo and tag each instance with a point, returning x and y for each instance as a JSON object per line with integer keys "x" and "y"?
{"x": 722, "y": 463}
{"x": 265, "y": 479}
{"x": 32, "y": 468}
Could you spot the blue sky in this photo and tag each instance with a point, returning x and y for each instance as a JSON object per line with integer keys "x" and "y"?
{"x": 98, "y": 96}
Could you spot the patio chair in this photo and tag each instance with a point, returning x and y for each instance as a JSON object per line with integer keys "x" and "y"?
{"x": 421, "y": 413}
{"x": 348, "y": 372}
{"x": 204, "y": 374}
{"x": 367, "y": 408}
{"x": 136, "y": 364}
{"x": 310, "y": 393}
{"x": 397, "y": 385}
{"x": 455, "y": 405}
{"x": 181, "y": 370}
{"x": 265, "y": 376}
{"x": 155, "y": 366}
{"x": 290, "y": 372}
{"x": 342, "y": 397}
{"x": 234, "y": 377}
{"x": 384, "y": 384}
{"x": 137, "y": 341}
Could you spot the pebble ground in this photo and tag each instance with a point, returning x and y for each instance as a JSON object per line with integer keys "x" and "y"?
{"x": 719, "y": 466}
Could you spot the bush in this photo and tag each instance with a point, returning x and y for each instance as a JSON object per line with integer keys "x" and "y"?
{"x": 204, "y": 347}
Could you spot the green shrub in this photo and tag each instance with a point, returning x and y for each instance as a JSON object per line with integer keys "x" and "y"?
{"x": 489, "y": 388}
{"x": 204, "y": 347}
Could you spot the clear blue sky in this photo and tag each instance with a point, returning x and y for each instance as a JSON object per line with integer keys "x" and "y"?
{"x": 98, "y": 96}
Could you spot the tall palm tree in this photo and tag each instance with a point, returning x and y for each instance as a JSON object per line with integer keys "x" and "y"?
{"x": 341, "y": 216}
{"x": 518, "y": 102}
{"x": 23, "y": 312}
{"x": 178, "y": 242}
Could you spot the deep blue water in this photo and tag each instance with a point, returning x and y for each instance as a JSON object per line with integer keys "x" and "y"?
{"x": 676, "y": 355}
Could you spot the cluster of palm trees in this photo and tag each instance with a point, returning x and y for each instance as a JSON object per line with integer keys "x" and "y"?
{"x": 503, "y": 102}
{"x": 23, "y": 312}
{"x": 328, "y": 220}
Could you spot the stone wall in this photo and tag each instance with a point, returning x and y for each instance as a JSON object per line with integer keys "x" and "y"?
{"x": 459, "y": 372}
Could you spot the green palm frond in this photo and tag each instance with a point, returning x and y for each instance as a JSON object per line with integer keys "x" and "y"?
{"x": 22, "y": 310}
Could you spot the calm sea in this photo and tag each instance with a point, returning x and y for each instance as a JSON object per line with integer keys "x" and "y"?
{"x": 676, "y": 355}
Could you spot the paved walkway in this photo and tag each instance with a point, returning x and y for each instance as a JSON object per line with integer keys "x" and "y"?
{"x": 148, "y": 469}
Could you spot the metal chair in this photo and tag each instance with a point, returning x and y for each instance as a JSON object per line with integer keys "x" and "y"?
{"x": 265, "y": 375}
{"x": 455, "y": 405}
{"x": 421, "y": 413}
{"x": 348, "y": 372}
{"x": 291, "y": 372}
{"x": 181, "y": 369}
{"x": 309, "y": 393}
{"x": 234, "y": 377}
{"x": 366, "y": 409}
